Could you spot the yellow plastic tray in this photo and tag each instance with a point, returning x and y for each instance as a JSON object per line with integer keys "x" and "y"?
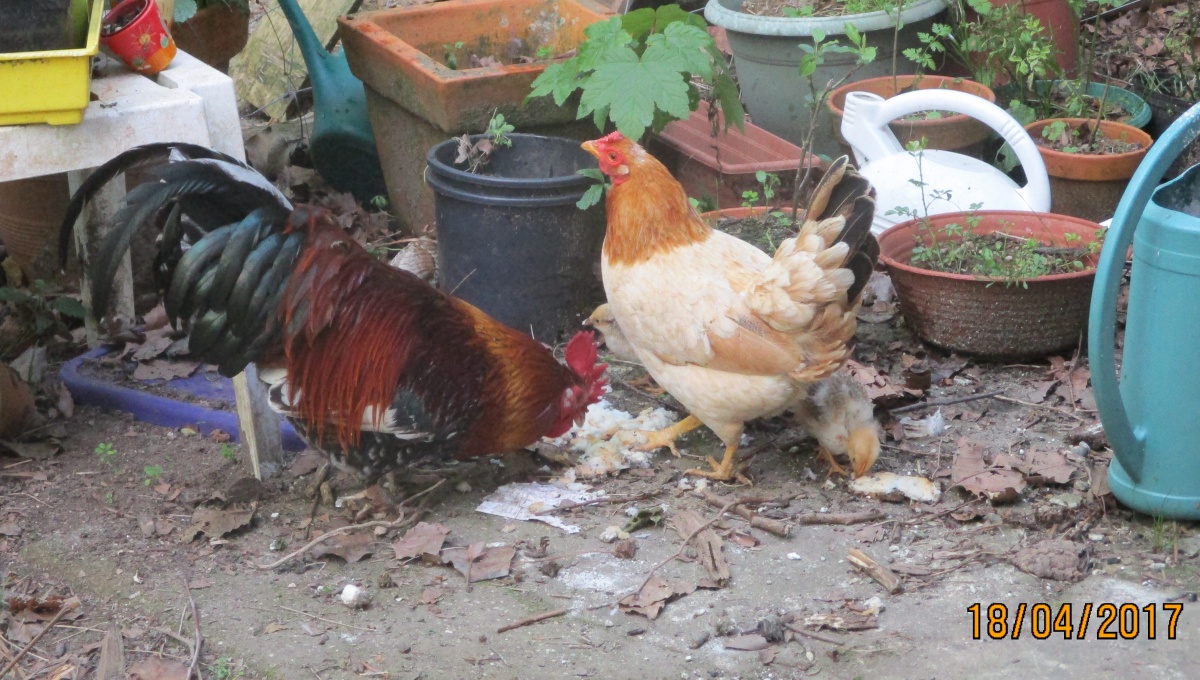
{"x": 53, "y": 86}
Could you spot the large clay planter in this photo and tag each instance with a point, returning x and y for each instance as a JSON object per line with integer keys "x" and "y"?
{"x": 718, "y": 169}
{"x": 416, "y": 101}
{"x": 983, "y": 316}
{"x": 766, "y": 53}
{"x": 214, "y": 35}
{"x": 953, "y": 133}
{"x": 1090, "y": 186}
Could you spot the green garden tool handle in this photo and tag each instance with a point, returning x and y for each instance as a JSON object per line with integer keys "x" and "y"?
{"x": 1128, "y": 442}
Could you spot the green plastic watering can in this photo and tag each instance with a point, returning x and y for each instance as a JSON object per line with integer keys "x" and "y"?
{"x": 1152, "y": 415}
{"x": 342, "y": 143}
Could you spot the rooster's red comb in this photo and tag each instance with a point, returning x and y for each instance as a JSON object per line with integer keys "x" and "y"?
{"x": 582, "y": 353}
{"x": 612, "y": 138}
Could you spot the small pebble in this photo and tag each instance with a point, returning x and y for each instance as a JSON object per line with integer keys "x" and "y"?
{"x": 794, "y": 556}
{"x": 1096, "y": 537}
{"x": 463, "y": 487}
{"x": 698, "y": 640}
{"x": 635, "y": 631}
{"x": 613, "y": 533}
{"x": 1158, "y": 566}
{"x": 354, "y": 597}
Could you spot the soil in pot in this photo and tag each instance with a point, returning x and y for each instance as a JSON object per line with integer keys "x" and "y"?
{"x": 956, "y": 248}
{"x": 1083, "y": 184}
{"x": 1084, "y": 138}
{"x": 762, "y": 228}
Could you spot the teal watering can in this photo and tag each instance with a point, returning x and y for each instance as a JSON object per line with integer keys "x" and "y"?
{"x": 342, "y": 143}
{"x": 1152, "y": 415}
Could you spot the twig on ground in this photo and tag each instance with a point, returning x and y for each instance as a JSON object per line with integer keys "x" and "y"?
{"x": 886, "y": 577}
{"x": 774, "y": 526}
{"x": 949, "y": 401}
{"x": 601, "y": 501}
{"x": 315, "y": 486}
{"x": 840, "y": 517}
{"x": 199, "y": 639}
{"x": 174, "y": 636}
{"x": 63, "y": 611}
{"x": 809, "y": 634}
{"x": 1000, "y": 397}
{"x": 531, "y": 620}
{"x": 321, "y": 618}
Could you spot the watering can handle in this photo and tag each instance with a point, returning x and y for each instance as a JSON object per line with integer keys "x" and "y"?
{"x": 867, "y": 116}
{"x": 1128, "y": 442}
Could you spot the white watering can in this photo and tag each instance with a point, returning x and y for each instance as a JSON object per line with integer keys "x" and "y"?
{"x": 895, "y": 172}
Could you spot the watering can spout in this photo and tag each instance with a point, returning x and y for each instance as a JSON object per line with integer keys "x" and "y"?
{"x": 860, "y": 123}
{"x": 322, "y": 65}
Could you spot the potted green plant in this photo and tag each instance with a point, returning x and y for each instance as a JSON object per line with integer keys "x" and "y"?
{"x": 1090, "y": 161}
{"x": 766, "y": 40}
{"x": 213, "y": 31}
{"x": 439, "y": 70}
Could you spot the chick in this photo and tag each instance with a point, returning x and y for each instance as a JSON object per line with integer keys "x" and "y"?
{"x": 838, "y": 413}
{"x": 603, "y": 321}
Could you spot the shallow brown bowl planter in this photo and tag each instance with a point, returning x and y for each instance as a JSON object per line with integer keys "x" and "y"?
{"x": 718, "y": 169}
{"x": 983, "y": 316}
{"x": 1089, "y": 185}
{"x": 958, "y": 132}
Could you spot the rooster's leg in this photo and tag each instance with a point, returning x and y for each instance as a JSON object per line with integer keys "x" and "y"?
{"x": 656, "y": 439}
{"x": 723, "y": 471}
{"x": 834, "y": 469}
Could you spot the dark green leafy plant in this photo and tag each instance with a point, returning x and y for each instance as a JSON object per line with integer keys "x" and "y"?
{"x": 43, "y": 314}
{"x": 637, "y": 71}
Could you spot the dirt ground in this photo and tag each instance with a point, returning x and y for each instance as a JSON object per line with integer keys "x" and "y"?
{"x": 110, "y": 521}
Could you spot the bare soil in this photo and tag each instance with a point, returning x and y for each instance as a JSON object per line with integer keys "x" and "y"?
{"x": 1081, "y": 140}
{"x": 91, "y": 526}
{"x": 764, "y": 231}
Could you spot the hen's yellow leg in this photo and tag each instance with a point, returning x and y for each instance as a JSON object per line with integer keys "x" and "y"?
{"x": 834, "y": 468}
{"x": 656, "y": 439}
{"x": 723, "y": 471}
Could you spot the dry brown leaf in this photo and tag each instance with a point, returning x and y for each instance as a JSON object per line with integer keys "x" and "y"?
{"x": 870, "y": 534}
{"x": 654, "y": 595}
{"x": 432, "y": 595}
{"x": 274, "y": 628}
{"x": 65, "y": 402}
{"x": 423, "y": 539}
{"x": 306, "y": 463}
{"x": 216, "y": 523}
{"x": 157, "y": 341}
{"x": 154, "y": 668}
{"x": 1047, "y": 467}
{"x": 161, "y": 369}
{"x": 487, "y": 563}
{"x": 10, "y": 529}
{"x": 744, "y": 539}
{"x": 706, "y": 542}
{"x": 1055, "y": 559}
{"x": 973, "y": 474}
{"x": 747, "y": 643}
{"x": 349, "y": 547}
{"x": 41, "y": 450}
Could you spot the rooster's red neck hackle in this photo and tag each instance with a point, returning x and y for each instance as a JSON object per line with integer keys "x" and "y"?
{"x": 648, "y": 211}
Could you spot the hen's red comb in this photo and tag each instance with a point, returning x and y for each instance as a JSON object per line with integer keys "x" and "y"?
{"x": 612, "y": 138}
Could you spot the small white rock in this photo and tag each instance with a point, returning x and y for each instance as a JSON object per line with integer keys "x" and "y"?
{"x": 355, "y": 597}
{"x": 632, "y": 511}
{"x": 794, "y": 556}
{"x": 463, "y": 487}
{"x": 612, "y": 534}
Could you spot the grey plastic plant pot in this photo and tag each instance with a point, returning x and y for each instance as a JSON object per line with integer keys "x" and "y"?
{"x": 766, "y": 53}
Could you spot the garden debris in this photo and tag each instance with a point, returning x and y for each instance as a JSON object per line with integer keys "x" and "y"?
{"x": 306, "y": 463}
{"x": 1056, "y": 559}
{"x": 625, "y": 549}
{"x": 878, "y": 299}
{"x": 28, "y": 617}
{"x": 354, "y": 597}
{"x": 1046, "y": 467}
{"x": 654, "y": 594}
{"x": 477, "y": 562}
{"x": 1075, "y": 379}
{"x": 996, "y": 482}
{"x": 10, "y": 529}
{"x": 164, "y": 369}
{"x": 112, "y": 655}
{"x": 889, "y": 486}
{"x": 216, "y": 523}
{"x": 423, "y": 540}
{"x": 525, "y": 502}
{"x": 154, "y": 668}
{"x": 607, "y": 437}
{"x": 642, "y": 518}
{"x": 930, "y": 426}
{"x": 16, "y": 404}
{"x": 705, "y": 541}
{"x": 349, "y": 547}
{"x": 39, "y": 450}
{"x": 418, "y": 258}
{"x": 531, "y": 620}
{"x": 612, "y": 533}
{"x": 886, "y": 577}
{"x": 1091, "y": 434}
{"x": 879, "y": 389}
{"x": 839, "y": 621}
{"x": 747, "y": 643}
{"x": 774, "y": 526}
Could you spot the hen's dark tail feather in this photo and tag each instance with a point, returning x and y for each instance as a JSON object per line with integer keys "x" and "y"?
{"x": 842, "y": 191}
{"x": 224, "y": 255}
{"x": 105, "y": 174}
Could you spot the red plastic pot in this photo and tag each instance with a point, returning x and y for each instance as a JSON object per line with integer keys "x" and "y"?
{"x": 983, "y": 316}
{"x": 135, "y": 32}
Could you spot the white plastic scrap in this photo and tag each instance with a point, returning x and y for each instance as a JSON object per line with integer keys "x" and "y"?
{"x": 931, "y": 426}
{"x": 606, "y": 435}
{"x": 524, "y": 501}
{"x": 889, "y": 484}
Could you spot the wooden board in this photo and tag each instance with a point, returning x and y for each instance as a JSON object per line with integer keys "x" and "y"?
{"x": 270, "y": 67}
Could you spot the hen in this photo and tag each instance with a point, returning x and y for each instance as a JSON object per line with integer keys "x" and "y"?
{"x": 372, "y": 365}
{"x": 835, "y": 411}
{"x": 729, "y": 331}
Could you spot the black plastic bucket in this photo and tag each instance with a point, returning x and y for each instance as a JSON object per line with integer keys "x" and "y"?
{"x": 510, "y": 239}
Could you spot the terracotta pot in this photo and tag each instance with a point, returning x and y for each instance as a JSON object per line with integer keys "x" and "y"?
{"x": 143, "y": 41}
{"x": 983, "y": 316}
{"x": 1090, "y": 186}
{"x": 718, "y": 169}
{"x": 953, "y": 133}
{"x": 416, "y": 101}
{"x": 214, "y": 35}
{"x": 1057, "y": 17}
{"x": 31, "y": 211}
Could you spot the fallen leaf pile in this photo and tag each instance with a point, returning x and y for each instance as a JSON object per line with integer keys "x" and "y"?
{"x": 476, "y": 562}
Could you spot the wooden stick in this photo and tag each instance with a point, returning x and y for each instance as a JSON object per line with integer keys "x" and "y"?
{"x": 63, "y": 611}
{"x": 199, "y": 640}
{"x": 809, "y": 634}
{"x": 1000, "y": 397}
{"x": 944, "y": 402}
{"x": 531, "y": 620}
{"x": 774, "y": 526}
{"x": 568, "y": 505}
{"x": 886, "y": 577}
{"x": 336, "y": 623}
{"x": 840, "y": 517}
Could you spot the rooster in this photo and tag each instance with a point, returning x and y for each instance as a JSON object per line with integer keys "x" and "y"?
{"x": 373, "y": 365}
{"x": 731, "y": 332}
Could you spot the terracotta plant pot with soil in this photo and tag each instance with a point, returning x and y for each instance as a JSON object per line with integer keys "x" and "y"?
{"x": 417, "y": 100}
{"x": 1089, "y": 185}
{"x": 756, "y": 226}
{"x": 716, "y": 170}
{"x": 982, "y": 315}
{"x": 957, "y": 132}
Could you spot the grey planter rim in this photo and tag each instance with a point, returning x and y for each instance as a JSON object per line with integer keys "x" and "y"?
{"x": 721, "y": 13}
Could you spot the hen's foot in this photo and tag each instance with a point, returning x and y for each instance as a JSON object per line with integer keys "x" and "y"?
{"x": 834, "y": 468}
{"x": 723, "y": 471}
{"x": 656, "y": 439}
